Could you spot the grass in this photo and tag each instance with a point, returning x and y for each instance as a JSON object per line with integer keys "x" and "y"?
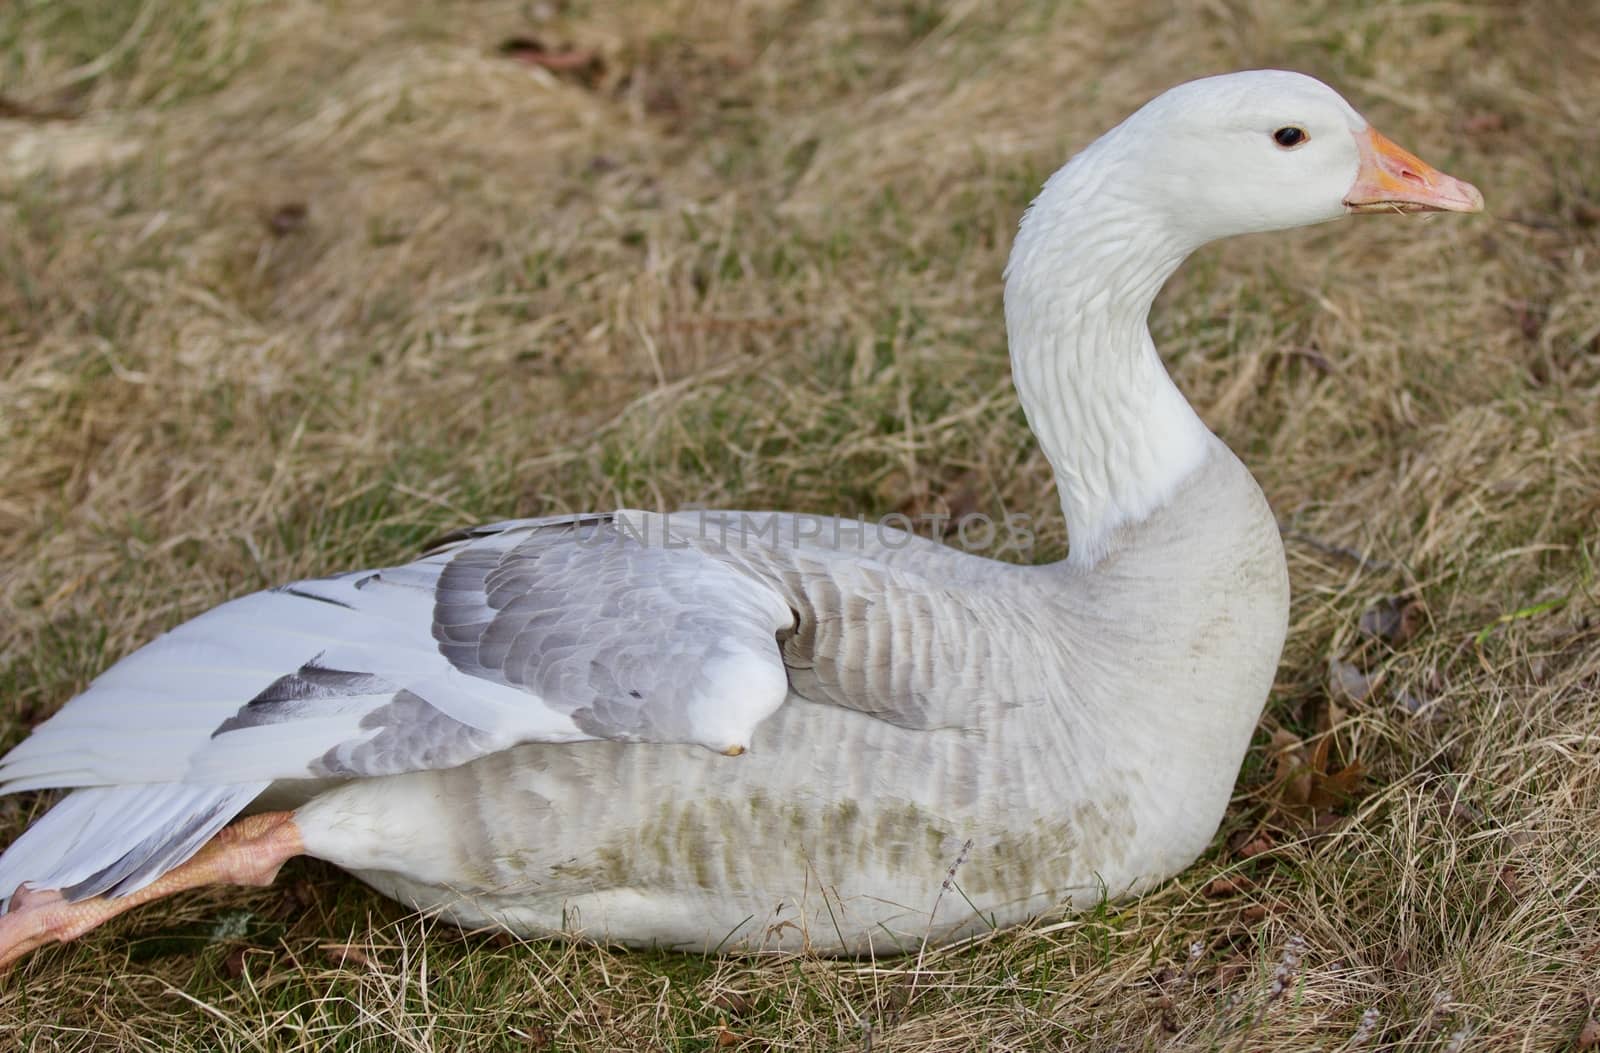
{"x": 287, "y": 288}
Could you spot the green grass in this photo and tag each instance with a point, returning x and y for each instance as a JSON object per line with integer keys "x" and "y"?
{"x": 757, "y": 265}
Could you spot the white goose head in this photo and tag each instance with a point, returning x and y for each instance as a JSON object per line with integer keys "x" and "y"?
{"x": 1268, "y": 150}
{"x": 1235, "y": 154}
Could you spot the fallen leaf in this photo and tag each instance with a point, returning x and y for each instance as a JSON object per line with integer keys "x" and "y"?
{"x": 1254, "y": 914}
{"x": 1284, "y": 740}
{"x": 16, "y": 110}
{"x": 1460, "y": 810}
{"x": 726, "y": 1038}
{"x": 1589, "y": 1037}
{"x": 1318, "y": 360}
{"x": 581, "y": 64}
{"x": 1348, "y": 680}
{"x": 1381, "y": 620}
{"x": 301, "y": 894}
{"x": 1337, "y": 787}
{"x": 1530, "y": 318}
{"x": 340, "y": 953}
{"x": 1256, "y": 845}
{"x": 1319, "y": 756}
{"x": 963, "y": 500}
{"x": 233, "y": 965}
{"x": 1330, "y": 715}
{"x": 662, "y": 99}
{"x": 940, "y": 514}
{"x": 1292, "y": 770}
{"x": 1232, "y": 970}
{"x": 1483, "y": 123}
{"x": 1229, "y": 885}
{"x": 734, "y": 1003}
{"x": 538, "y": 1036}
{"x": 1304, "y": 781}
{"x": 1509, "y": 881}
{"x": 286, "y": 218}
{"x": 1413, "y": 619}
{"x": 1394, "y": 619}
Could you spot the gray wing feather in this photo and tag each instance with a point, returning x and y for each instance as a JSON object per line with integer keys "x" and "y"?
{"x": 631, "y": 636}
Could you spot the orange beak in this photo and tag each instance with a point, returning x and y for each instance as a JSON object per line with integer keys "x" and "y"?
{"x": 1395, "y": 180}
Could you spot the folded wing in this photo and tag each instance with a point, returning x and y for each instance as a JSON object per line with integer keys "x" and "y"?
{"x": 555, "y": 630}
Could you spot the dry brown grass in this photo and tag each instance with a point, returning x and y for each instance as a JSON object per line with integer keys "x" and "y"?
{"x": 755, "y": 261}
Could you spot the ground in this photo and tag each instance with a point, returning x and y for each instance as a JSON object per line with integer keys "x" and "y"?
{"x": 288, "y": 288}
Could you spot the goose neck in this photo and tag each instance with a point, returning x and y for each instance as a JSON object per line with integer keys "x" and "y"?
{"x": 1120, "y": 438}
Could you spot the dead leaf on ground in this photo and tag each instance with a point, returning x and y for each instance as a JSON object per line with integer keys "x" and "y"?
{"x": 234, "y": 964}
{"x": 1394, "y": 619}
{"x": 1508, "y": 880}
{"x": 1316, "y": 358}
{"x": 1530, "y": 318}
{"x": 299, "y": 897}
{"x": 1232, "y": 969}
{"x": 1330, "y": 715}
{"x": 1346, "y": 680}
{"x": 1251, "y": 846}
{"x": 734, "y": 1003}
{"x": 1227, "y": 885}
{"x": 1326, "y": 822}
{"x": 1484, "y": 123}
{"x": 1335, "y": 788}
{"x": 1459, "y": 810}
{"x": 937, "y": 512}
{"x": 1303, "y": 784}
{"x": 340, "y": 953}
{"x": 1291, "y": 770}
{"x": 1589, "y": 1036}
{"x": 581, "y": 64}
{"x": 287, "y": 218}
{"x": 16, "y": 110}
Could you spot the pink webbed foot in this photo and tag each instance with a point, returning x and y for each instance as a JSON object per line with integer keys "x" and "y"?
{"x": 250, "y": 852}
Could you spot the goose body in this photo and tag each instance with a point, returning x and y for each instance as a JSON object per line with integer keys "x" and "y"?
{"x": 734, "y": 731}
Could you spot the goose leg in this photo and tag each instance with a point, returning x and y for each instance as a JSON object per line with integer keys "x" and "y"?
{"x": 247, "y": 853}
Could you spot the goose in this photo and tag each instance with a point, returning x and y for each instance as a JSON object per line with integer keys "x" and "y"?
{"x": 744, "y": 732}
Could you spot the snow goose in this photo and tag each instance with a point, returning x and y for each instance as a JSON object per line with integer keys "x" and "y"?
{"x": 764, "y": 733}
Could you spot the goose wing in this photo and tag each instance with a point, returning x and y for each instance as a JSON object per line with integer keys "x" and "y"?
{"x": 554, "y": 630}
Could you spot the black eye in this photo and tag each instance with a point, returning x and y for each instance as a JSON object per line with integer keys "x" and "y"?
{"x": 1290, "y": 137}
